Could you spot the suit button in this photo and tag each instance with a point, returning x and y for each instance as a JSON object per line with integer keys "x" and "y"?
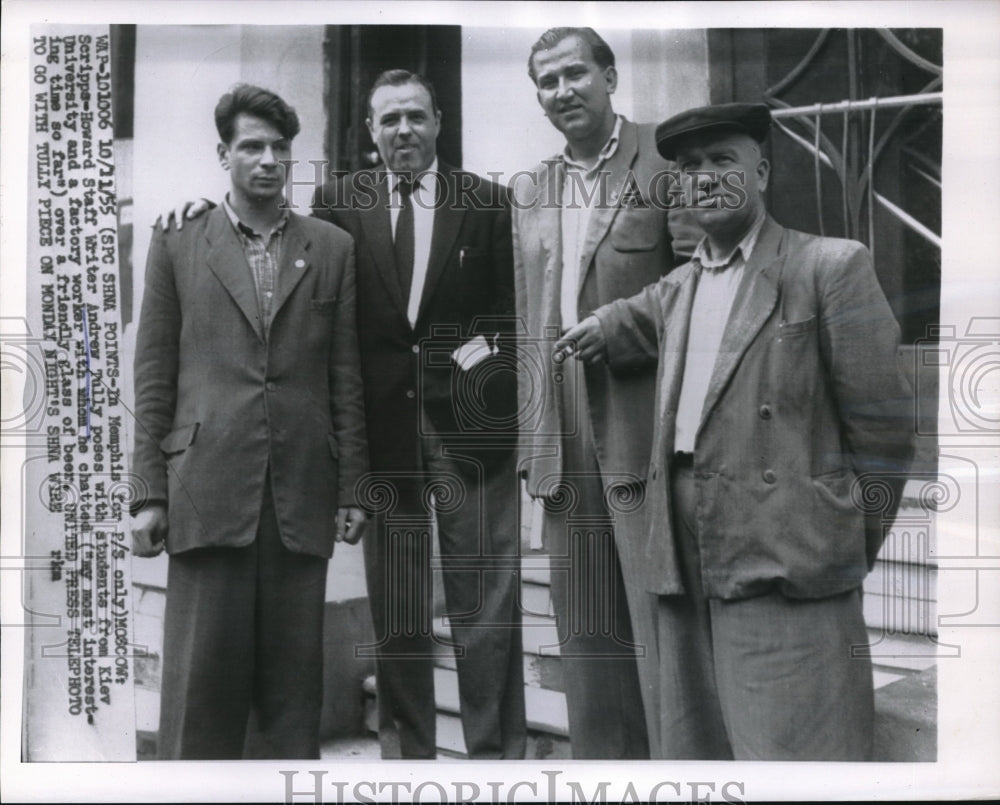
{"x": 410, "y": 394}
{"x": 270, "y": 386}
{"x": 765, "y": 412}
{"x": 415, "y": 348}
{"x": 769, "y": 476}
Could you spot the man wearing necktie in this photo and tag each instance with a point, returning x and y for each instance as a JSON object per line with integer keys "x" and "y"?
{"x": 781, "y": 406}
{"x": 250, "y": 439}
{"x": 435, "y": 316}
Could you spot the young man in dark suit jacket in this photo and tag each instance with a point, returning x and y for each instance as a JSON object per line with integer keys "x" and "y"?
{"x": 435, "y": 315}
{"x": 250, "y": 438}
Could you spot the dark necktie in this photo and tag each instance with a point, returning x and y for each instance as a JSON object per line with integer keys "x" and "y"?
{"x": 403, "y": 242}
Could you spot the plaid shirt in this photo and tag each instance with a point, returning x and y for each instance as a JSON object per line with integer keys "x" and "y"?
{"x": 263, "y": 256}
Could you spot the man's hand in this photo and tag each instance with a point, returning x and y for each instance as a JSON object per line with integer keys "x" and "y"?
{"x": 350, "y": 524}
{"x": 189, "y": 210}
{"x": 149, "y": 530}
{"x": 585, "y": 341}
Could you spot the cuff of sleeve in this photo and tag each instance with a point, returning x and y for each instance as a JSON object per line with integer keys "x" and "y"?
{"x": 144, "y": 503}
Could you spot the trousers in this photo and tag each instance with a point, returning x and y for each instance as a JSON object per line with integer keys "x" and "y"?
{"x": 479, "y": 560}
{"x": 762, "y": 678}
{"x": 590, "y": 560}
{"x": 243, "y": 651}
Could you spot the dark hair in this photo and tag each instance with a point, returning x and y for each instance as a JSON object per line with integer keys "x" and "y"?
{"x": 250, "y": 100}
{"x": 396, "y": 78}
{"x": 603, "y": 55}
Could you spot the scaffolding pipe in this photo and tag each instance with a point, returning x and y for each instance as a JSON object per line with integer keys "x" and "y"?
{"x": 922, "y": 99}
{"x": 909, "y": 220}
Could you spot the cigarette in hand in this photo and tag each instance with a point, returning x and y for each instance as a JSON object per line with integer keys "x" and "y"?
{"x": 562, "y": 353}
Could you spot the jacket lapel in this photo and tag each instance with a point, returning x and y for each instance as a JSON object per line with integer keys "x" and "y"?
{"x": 225, "y": 259}
{"x": 447, "y": 223}
{"x": 755, "y": 300}
{"x": 548, "y": 205}
{"x": 377, "y": 226}
{"x": 677, "y": 319}
{"x": 617, "y": 172}
{"x": 294, "y": 262}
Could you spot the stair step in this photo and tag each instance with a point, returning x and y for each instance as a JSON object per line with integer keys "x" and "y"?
{"x": 535, "y": 599}
{"x": 540, "y": 671}
{"x": 546, "y": 709}
{"x": 906, "y": 652}
{"x": 882, "y": 678}
{"x": 898, "y": 613}
{"x": 535, "y": 569}
{"x": 451, "y": 741}
{"x": 538, "y": 635}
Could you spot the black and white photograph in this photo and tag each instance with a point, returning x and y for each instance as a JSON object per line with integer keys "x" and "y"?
{"x": 589, "y": 399}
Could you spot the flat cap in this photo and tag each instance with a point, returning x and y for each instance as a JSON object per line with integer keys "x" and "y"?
{"x": 749, "y": 118}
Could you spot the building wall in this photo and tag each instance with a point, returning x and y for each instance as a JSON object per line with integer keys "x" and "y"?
{"x": 181, "y": 71}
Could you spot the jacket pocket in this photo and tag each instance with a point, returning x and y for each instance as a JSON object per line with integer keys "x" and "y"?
{"x": 637, "y": 230}
{"x": 790, "y": 328}
{"x": 324, "y": 306}
{"x": 836, "y": 486}
{"x": 179, "y": 439}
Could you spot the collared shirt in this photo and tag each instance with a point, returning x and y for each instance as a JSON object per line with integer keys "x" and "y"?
{"x": 717, "y": 278}
{"x": 581, "y": 196}
{"x": 425, "y": 197}
{"x": 263, "y": 255}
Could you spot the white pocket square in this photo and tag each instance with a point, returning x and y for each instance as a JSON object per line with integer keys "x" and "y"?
{"x": 474, "y": 351}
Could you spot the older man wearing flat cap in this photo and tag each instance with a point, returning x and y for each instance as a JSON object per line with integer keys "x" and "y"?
{"x": 780, "y": 399}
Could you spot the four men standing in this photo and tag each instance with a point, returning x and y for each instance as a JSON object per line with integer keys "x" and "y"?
{"x": 695, "y": 468}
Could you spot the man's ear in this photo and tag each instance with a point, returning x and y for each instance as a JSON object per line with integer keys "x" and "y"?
{"x": 223, "y": 151}
{"x": 371, "y": 131}
{"x": 763, "y": 173}
{"x": 611, "y": 78}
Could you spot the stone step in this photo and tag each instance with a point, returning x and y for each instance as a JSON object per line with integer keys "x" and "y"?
{"x": 909, "y": 579}
{"x": 898, "y": 613}
{"x": 548, "y": 730}
{"x": 540, "y": 670}
{"x": 535, "y": 568}
{"x": 450, "y": 741}
{"x": 545, "y": 709}
{"x": 906, "y": 652}
{"x": 546, "y": 714}
{"x": 535, "y": 598}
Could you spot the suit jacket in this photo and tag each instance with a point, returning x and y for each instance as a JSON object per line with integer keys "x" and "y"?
{"x": 219, "y": 401}
{"x": 468, "y": 292}
{"x": 627, "y": 246}
{"x": 807, "y": 397}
